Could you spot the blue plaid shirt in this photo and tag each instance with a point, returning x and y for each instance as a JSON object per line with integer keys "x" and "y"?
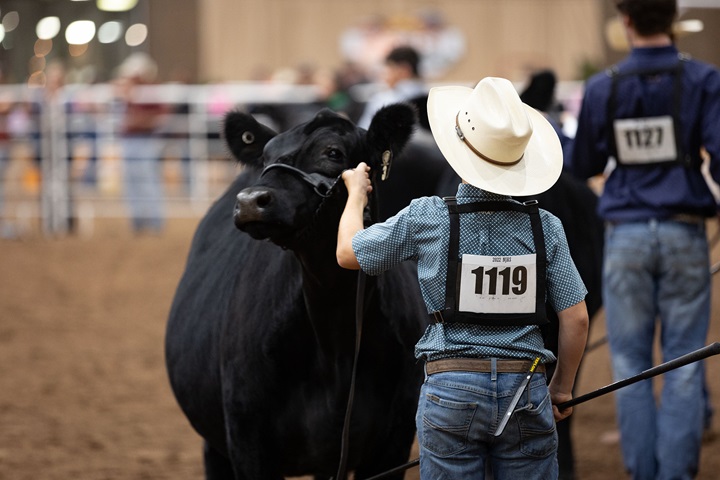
{"x": 421, "y": 231}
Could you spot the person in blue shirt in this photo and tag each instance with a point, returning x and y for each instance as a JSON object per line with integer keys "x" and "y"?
{"x": 644, "y": 123}
{"x": 402, "y": 80}
{"x": 487, "y": 264}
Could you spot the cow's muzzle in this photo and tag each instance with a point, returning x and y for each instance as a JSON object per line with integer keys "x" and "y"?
{"x": 251, "y": 204}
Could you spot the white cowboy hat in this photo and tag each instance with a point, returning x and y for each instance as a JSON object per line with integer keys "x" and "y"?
{"x": 493, "y": 140}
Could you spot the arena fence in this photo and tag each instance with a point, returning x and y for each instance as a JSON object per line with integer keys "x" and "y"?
{"x": 61, "y": 152}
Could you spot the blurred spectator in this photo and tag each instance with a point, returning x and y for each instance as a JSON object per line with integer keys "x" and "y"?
{"x": 142, "y": 147}
{"x": 335, "y": 95}
{"x": 367, "y": 43}
{"x": 440, "y": 45}
{"x": 402, "y": 80}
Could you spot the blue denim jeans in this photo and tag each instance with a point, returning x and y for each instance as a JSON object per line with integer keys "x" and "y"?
{"x": 143, "y": 182}
{"x": 458, "y": 413}
{"x": 656, "y": 273}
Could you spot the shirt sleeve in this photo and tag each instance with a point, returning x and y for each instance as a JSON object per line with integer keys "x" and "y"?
{"x": 590, "y": 147}
{"x": 384, "y": 245}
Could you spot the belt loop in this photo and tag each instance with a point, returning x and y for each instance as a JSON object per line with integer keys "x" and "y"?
{"x": 493, "y": 369}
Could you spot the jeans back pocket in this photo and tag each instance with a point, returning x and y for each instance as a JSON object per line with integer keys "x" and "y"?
{"x": 446, "y": 425}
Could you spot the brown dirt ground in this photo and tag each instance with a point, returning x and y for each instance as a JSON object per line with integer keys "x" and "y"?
{"x": 83, "y": 390}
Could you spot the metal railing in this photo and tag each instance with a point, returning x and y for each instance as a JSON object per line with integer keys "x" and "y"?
{"x": 61, "y": 155}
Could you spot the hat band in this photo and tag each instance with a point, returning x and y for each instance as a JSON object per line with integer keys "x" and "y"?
{"x": 460, "y": 134}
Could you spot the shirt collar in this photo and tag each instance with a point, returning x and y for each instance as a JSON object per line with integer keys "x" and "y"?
{"x": 653, "y": 52}
{"x": 468, "y": 193}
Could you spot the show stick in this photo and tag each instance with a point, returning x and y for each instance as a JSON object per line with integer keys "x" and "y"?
{"x": 697, "y": 355}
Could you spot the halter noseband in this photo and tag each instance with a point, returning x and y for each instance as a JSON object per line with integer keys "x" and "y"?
{"x": 321, "y": 185}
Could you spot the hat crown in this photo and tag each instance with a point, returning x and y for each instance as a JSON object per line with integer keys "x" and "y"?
{"x": 494, "y": 122}
{"x": 494, "y": 141}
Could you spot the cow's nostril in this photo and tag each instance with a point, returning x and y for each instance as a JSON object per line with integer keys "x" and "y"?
{"x": 254, "y": 199}
{"x": 251, "y": 205}
{"x": 263, "y": 199}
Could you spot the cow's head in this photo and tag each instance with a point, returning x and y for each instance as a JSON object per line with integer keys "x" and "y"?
{"x": 299, "y": 193}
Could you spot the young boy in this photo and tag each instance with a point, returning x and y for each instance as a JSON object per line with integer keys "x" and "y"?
{"x": 486, "y": 266}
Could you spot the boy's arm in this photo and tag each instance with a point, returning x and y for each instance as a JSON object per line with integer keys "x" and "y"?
{"x": 358, "y": 186}
{"x": 574, "y": 323}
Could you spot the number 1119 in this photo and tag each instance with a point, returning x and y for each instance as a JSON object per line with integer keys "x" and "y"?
{"x": 517, "y": 275}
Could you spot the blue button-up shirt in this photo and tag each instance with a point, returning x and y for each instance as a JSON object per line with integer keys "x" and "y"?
{"x": 638, "y": 193}
{"x": 421, "y": 231}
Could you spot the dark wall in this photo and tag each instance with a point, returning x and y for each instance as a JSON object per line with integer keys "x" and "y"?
{"x": 173, "y": 37}
{"x": 18, "y": 46}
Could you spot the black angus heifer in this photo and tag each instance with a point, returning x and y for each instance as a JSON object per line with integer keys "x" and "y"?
{"x": 260, "y": 338}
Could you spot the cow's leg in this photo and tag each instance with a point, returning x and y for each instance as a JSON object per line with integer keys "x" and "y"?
{"x": 217, "y": 465}
{"x": 252, "y": 454}
{"x": 252, "y": 457}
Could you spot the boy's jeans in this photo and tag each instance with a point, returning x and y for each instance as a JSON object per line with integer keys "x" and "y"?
{"x": 456, "y": 419}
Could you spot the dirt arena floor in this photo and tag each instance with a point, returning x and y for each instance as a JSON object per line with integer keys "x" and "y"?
{"x": 83, "y": 389}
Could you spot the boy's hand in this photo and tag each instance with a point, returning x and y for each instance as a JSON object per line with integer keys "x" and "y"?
{"x": 357, "y": 182}
{"x": 557, "y": 398}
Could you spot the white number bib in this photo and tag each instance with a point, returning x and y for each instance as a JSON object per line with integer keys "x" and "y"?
{"x": 645, "y": 140}
{"x": 502, "y": 284}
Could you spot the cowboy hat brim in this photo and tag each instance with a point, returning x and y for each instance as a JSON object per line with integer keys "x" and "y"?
{"x": 537, "y": 171}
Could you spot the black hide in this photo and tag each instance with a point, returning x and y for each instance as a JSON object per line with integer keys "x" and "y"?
{"x": 260, "y": 337}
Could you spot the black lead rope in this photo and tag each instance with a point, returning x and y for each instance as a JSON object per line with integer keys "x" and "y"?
{"x": 395, "y": 470}
{"x": 359, "y": 313}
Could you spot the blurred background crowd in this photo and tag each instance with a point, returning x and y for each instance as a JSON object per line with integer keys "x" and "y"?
{"x": 113, "y": 108}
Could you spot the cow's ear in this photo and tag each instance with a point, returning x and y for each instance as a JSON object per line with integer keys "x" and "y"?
{"x": 390, "y": 130}
{"x": 245, "y": 137}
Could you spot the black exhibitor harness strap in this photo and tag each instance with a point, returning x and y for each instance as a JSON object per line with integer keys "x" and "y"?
{"x": 647, "y": 140}
{"x": 507, "y": 279}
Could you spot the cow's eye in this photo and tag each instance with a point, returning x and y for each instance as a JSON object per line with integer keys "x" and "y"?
{"x": 334, "y": 153}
